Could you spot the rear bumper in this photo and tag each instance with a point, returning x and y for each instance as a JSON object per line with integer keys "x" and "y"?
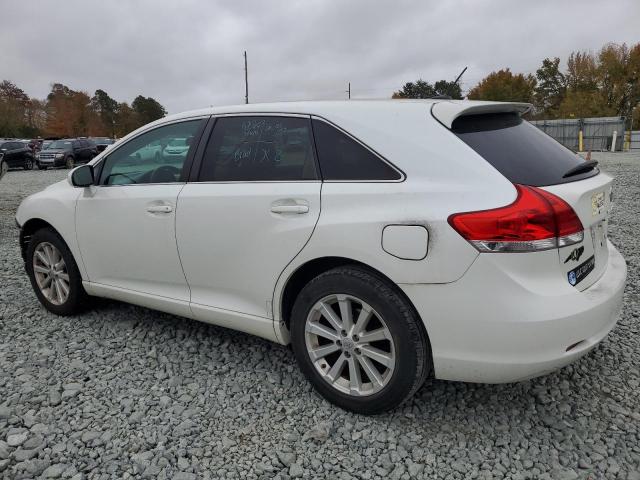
{"x": 493, "y": 327}
{"x": 51, "y": 162}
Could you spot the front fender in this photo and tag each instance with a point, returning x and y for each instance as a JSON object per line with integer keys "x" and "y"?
{"x": 55, "y": 206}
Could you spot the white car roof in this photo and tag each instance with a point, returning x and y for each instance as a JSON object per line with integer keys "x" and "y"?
{"x": 444, "y": 110}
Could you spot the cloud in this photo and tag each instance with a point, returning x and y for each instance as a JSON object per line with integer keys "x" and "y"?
{"x": 188, "y": 54}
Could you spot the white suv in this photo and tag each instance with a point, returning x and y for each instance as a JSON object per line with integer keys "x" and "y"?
{"x": 385, "y": 240}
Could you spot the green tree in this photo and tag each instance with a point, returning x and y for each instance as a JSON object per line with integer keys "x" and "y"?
{"x": 505, "y": 86}
{"x": 106, "y": 108}
{"x": 126, "y": 120}
{"x": 147, "y": 109}
{"x": 422, "y": 89}
{"x": 550, "y": 89}
{"x": 13, "y": 107}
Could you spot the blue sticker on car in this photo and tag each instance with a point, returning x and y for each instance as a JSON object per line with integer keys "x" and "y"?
{"x": 579, "y": 273}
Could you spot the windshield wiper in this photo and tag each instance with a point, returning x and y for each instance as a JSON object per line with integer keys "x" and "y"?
{"x": 581, "y": 168}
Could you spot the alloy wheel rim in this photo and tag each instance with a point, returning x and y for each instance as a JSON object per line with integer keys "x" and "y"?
{"x": 51, "y": 273}
{"x": 350, "y": 345}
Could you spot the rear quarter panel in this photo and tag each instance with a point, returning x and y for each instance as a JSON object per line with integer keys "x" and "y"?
{"x": 443, "y": 176}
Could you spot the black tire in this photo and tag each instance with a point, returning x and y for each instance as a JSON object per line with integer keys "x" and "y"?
{"x": 69, "y": 162}
{"x": 42, "y": 167}
{"x": 78, "y": 298}
{"x": 4, "y": 168}
{"x": 28, "y": 164}
{"x": 413, "y": 352}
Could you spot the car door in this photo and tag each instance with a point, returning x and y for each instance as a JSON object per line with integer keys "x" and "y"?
{"x": 126, "y": 223}
{"x": 252, "y": 208}
{"x": 10, "y": 154}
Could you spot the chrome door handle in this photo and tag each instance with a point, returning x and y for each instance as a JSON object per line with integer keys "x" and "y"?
{"x": 160, "y": 209}
{"x": 290, "y": 209}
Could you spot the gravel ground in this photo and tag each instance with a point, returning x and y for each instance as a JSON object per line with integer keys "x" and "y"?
{"x": 126, "y": 392}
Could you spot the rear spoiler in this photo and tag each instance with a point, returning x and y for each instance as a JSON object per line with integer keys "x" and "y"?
{"x": 447, "y": 112}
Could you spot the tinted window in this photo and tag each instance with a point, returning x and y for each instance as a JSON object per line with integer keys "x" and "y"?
{"x": 518, "y": 150}
{"x": 150, "y": 158}
{"x": 259, "y": 149}
{"x": 342, "y": 158}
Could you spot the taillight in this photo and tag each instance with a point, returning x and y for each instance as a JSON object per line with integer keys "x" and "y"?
{"x": 537, "y": 220}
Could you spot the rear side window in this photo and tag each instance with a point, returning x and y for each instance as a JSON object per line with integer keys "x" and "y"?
{"x": 264, "y": 148}
{"x": 342, "y": 158}
{"x": 518, "y": 150}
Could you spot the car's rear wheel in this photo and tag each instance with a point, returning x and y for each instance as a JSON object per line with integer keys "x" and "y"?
{"x": 28, "y": 164}
{"x": 4, "y": 168}
{"x": 54, "y": 273}
{"x": 69, "y": 162}
{"x": 359, "y": 341}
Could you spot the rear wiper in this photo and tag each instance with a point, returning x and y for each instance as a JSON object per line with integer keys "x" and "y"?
{"x": 581, "y": 168}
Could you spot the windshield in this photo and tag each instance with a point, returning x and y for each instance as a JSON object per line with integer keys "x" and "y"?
{"x": 60, "y": 144}
{"x": 178, "y": 142}
{"x": 102, "y": 140}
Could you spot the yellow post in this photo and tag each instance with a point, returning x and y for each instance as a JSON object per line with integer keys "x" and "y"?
{"x": 580, "y": 149}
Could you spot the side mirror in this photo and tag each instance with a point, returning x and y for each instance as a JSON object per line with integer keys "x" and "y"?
{"x": 82, "y": 176}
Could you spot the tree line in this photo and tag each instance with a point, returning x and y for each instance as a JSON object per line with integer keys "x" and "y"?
{"x": 70, "y": 113}
{"x": 602, "y": 84}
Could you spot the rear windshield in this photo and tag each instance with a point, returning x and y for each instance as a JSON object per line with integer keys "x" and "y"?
{"x": 518, "y": 150}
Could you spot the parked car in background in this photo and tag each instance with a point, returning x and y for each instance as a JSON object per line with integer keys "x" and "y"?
{"x": 3, "y": 166}
{"x": 151, "y": 151}
{"x": 176, "y": 150}
{"x": 455, "y": 239}
{"x": 67, "y": 152}
{"x": 102, "y": 142}
{"x": 17, "y": 154}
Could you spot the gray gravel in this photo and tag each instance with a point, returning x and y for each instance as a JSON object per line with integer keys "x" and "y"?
{"x": 126, "y": 392}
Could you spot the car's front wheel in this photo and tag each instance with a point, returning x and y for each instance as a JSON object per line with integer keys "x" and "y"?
{"x": 359, "y": 341}
{"x": 54, "y": 273}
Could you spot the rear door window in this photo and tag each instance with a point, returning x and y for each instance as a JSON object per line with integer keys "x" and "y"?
{"x": 342, "y": 158}
{"x": 261, "y": 148}
{"x": 518, "y": 150}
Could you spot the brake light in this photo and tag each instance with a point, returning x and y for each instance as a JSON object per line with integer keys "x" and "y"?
{"x": 536, "y": 220}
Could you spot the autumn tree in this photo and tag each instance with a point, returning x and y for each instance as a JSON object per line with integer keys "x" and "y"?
{"x": 422, "y": 89}
{"x": 619, "y": 75}
{"x": 550, "y": 88}
{"x": 505, "y": 86}
{"x": 582, "y": 72}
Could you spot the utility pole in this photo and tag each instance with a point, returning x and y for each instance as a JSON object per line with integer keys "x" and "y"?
{"x": 349, "y": 91}
{"x": 246, "y": 79}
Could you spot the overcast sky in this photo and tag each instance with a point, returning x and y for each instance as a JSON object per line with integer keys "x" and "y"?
{"x": 188, "y": 54}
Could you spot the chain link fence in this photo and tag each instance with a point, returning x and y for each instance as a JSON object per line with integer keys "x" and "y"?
{"x": 597, "y": 133}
